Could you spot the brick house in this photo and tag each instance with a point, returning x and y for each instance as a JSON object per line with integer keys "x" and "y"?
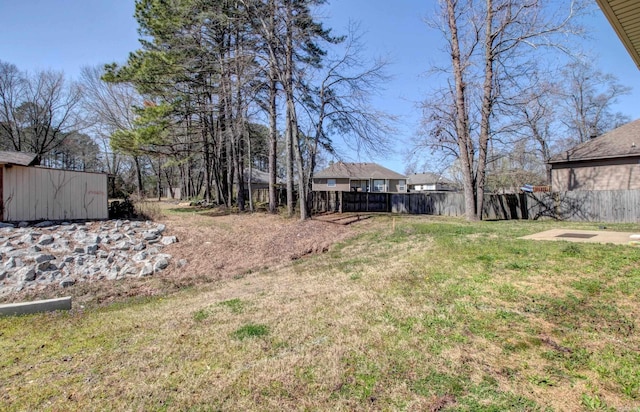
{"x": 608, "y": 162}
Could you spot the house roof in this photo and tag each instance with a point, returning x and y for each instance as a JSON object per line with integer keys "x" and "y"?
{"x": 427, "y": 178}
{"x": 624, "y": 17}
{"x": 621, "y": 142}
{"x": 257, "y": 177}
{"x": 18, "y": 158}
{"x": 358, "y": 171}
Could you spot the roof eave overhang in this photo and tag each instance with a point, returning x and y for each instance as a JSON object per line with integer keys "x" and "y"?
{"x": 590, "y": 159}
{"x": 621, "y": 30}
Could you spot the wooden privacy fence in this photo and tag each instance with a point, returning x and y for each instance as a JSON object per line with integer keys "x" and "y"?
{"x": 621, "y": 206}
{"x": 262, "y": 195}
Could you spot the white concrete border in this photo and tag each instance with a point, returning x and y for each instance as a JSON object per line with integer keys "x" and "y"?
{"x": 25, "y": 308}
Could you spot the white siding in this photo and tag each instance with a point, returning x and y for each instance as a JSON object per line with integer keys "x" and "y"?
{"x": 34, "y": 193}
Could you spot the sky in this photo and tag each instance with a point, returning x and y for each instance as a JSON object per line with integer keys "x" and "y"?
{"x": 65, "y": 35}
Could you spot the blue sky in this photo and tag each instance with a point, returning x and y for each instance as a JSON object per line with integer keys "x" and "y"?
{"x": 68, "y": 34}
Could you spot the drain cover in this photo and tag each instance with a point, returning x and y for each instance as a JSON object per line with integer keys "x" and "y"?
{"x": 577, "y": 235}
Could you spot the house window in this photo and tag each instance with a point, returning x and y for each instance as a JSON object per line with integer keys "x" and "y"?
{"x": 401, "y": 186}
{"x": 378, "y": 185}
{"x": 331, "y": 182}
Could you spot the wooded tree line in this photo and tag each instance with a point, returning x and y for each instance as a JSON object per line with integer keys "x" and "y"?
{"x": 208, "y": 69}
{"x": 217, "y": 88}
{"x": 221, "y": 87}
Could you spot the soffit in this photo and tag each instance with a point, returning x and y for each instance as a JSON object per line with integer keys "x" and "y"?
{"x": 624, "y": 16}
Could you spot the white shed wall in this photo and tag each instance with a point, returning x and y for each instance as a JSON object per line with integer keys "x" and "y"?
{"x": 35, "y": 193}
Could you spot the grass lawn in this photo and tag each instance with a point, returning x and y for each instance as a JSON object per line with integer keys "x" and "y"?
{"x": 414, "y": 313}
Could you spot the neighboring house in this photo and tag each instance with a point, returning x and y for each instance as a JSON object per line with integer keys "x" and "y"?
{"x": 30, "y": 192}
{"x": 359, "y": 177}
{"x": 427, "y": 182}
{"x": 259, "y": 179}
{"x": 608, "y": 162}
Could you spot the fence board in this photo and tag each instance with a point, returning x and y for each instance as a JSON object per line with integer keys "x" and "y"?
{"x": 610, "y": 206}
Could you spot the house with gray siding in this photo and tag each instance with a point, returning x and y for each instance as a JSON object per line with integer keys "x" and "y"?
{"x": 429, "y": 182}
{"x": 359, "y": 177}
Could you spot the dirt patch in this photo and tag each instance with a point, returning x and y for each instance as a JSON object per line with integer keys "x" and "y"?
{"x": 232, "y": 244}
{"x": 216, "y": 246}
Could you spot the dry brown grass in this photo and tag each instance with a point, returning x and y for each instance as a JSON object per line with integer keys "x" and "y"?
{"x": 417, "y": 319}
{"x": 216, "y": 244}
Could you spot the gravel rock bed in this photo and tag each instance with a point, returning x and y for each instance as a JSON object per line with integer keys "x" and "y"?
{"x": 47, "y": 253}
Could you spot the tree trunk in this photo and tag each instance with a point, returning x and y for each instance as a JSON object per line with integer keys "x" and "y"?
{"x": 139, "y": 177}
{"x": 465, "y": 144}
{"x": 487, "y": 109}
{"x": 273, "y": 114}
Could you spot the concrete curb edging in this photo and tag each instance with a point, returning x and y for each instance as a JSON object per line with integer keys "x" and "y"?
{"x": 25, "y": 308}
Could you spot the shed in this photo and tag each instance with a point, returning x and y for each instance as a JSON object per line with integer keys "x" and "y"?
{"x": 30, "y": 192}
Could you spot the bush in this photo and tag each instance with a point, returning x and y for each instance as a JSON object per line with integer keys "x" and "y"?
{"x": 134, "y": 208}
{"x": 121, "y": 209}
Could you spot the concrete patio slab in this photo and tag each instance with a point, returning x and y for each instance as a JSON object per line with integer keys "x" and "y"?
{"x": 585, "y": 236}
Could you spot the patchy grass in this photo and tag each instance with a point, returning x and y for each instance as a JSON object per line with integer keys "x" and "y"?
{"x": 438, "y": 314}
{"x": 250, "y": 331}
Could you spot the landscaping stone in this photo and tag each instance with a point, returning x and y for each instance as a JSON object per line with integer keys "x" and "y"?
{"x": 150, "y": 235}
{"x": 26, "y": 274}
{"x": 160, "y": 264}
{"x": 43, "y": 258}
{"x": 167, "y": 240}
{"x": 66, "y": 253}
{"x": 147, "y": 270}
{"x": 139, "y": 257}
{"x": 46, "y": 223}
{"x": 66, "y": 282}
{"x": 45, "y": 240}
{"x": 123, "y": 245}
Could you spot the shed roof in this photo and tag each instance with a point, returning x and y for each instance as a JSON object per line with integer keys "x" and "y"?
{"x": 624, "y": 17}
{"x": 427, "y": 178}
{"x": 621, "y": 142}
{"x": 358, "y": 171}
{"x": 18, "y": 158}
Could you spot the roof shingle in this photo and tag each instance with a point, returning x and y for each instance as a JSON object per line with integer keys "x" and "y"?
{"x": 18, "y": 158}
{"x": 427, "y": 178}
{"x": 621, "y": 142}
{"x": 357, "y": 171}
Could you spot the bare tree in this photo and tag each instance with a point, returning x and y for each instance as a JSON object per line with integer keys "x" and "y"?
{"x": 37, "y": 111}
{"x": 339, "y": 106}
{"x": 110, "y": 108}
{"x": 491, "y": 44}
{"x": 12, "y": 94}
{"x": 561, "y": 108}
{"x": 586, "y": 99}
